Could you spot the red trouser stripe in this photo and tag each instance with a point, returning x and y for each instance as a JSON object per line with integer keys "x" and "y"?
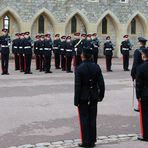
{"x": 20, "y": 62}
{"x": 25, "y": 63}
{"x": 141, "y": 121}
{"x": 80, "y": 124}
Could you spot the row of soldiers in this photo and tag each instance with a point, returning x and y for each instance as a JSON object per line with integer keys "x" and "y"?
{"x": 64, "y": 48}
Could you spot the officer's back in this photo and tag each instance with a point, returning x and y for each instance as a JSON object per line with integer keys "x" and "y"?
{"x": 91, "y": 83}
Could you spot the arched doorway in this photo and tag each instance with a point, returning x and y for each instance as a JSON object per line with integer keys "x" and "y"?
{"x": 42, "y": 25}
{"x": 75, "y": 24}
{"x": 9, "y": 22}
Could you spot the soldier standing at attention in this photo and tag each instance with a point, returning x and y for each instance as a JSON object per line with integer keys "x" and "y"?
{"x": 95, "y": 47}
{"x": 108, "y": 52}
{"x": 88, "y": 42}
{"x": 62, "y": 52}
{"x": 78, "y": 49}
{"x": 15, "y": 50}
{"x": 41, "y": 50}
{"x": 136, "y": 63}
{"x": 21, "y": 52}
{"x": 56, "y": 50}
{"x": 125, "y": 49}
{"x": 89, "y": 89}
{"x": 36, "y": 51}
{"x": 47, "y": 53}
{"x": 28, "y": 52}
{"x": 142, "y": 94}
{"x": 5, "y": 43}
{"x": 69, "y": 54}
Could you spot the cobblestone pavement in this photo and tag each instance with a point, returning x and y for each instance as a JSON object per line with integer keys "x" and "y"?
{"x": 39, "y": 108}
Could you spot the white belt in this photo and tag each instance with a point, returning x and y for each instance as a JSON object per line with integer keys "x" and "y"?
{"x": 62, "y": 49}
{"x": 68, "y": 50}
{"x": 55, "y": 48}
{"x": 108, "y": 49}
{"x": 125, "y": 49}
{"x": 4, "y": 46}
{"x": 41, "y": 48}
{"x": 27, "y": 47}
{"x": 47, "y": 48}
{"x": 76, "y": 49}
{"x": 20, "y": 47}
{"x": 15, "y": 47}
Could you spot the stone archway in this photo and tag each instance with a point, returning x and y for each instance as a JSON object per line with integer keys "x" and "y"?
{"x": 141, "y": 28}
{"x": 113, "y": 26}
{"x": 49, "y": 22}
{"x": 14, "y": 21}
{"x": 81, "y": 23}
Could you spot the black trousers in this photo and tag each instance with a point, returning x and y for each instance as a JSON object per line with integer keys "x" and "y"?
{"x": 144, "y": 117}
{"x": 68, "y": 63}
{"x": 108, "y": 62}
{"x": 47, "y": 59}
{"x": 16, "y": 57}
{"x": 125, "y": 61}
{"x": 37, "y": 60}
{"x": 41, "y": 62}
{"x": 78, "y": 60}
{"x": 88, "y": 123}
{"x": 57, "y": 60}
{"x": 63, "y": 62}
{"x": 28, "y": 58}
{"x": 95, "y": 58}
{"x": 21, "y": 62}
{"x": 5, "y": 63}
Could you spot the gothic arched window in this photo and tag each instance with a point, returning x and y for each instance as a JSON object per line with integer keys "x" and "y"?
{"x": 104, "y": 26}
{"x": 73, "y": 24}
{"x": 6, "y": 22}
{"x": 133, "y": 26}
{"x": 41, "y": 24}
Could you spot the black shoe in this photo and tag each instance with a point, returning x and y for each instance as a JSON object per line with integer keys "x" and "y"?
{"x": 2, "y": 73}
{"x": 84, "y": 145}
{"x": 136, "y": 110}
{"x": 30, "y": 73}
{"x": 92, "y": 145}
{"x": 70, "y": 71}
{"x": 142, "y": 139}
{"x": 7, "y": 73}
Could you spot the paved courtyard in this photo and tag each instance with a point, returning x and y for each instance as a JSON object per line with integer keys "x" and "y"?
{"x": 39, "y": 108}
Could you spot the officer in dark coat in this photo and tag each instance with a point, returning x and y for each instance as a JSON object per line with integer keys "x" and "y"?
{"x": 108, "y": 52}
{"x": 21, "y": 52}
{"x": 15, "y": 50}
{"x": 125, "y": 50}
{"x": 36, "y": 52}
{"x": 28, "y": 52}
{"x": 56, "y": 50}
{"x": 41, "y": 50}
{"x": 142, "y": 94}
{"x": 137, "y": 57}
{"x": 77, "y": 48}
{"x": 62, "y": 52}
{"x": 5, "y": 43}
{"x": 89, "y": 89}
{"x": 47, "y": 53}
{"x": 95, "y": 47}
{"x": 136, "y": 63}
{"x": 69, "y": 54}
